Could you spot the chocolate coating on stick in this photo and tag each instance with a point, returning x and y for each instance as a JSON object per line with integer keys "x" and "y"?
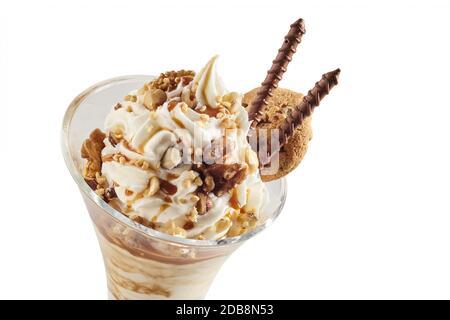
{"x": 309, "y": 102}
{"x": 279, "y": 66}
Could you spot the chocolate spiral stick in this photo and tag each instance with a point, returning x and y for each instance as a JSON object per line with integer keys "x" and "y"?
{"x": 274, "y": 75}
{"x": 305, "y": 108}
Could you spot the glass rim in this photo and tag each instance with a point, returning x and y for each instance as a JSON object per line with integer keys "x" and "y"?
{"x": 90, "y": 194}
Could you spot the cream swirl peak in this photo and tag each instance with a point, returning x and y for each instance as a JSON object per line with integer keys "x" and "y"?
{"x": 210, "y": 85}
{"x": 175, "y": 157}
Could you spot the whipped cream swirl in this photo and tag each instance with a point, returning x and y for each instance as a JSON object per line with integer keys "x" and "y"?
{"x": 145, "y": 140}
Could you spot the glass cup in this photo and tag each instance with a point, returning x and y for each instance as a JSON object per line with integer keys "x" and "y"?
{"x": 140, "y": 262}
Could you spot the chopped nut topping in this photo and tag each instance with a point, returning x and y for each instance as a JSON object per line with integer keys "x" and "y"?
{"x": 220, "y": 115}
{"x": 171, "y": 158}
{"x": 137, "y": 218}
{"x": 169, "y": 81}
{"x": 204, "y": 204}
{"x": 202, "y": 109}
{"x": 101, "y": 180}
{"x": 171, "y": 228}
{"x": 198, "y": 181}
{"x": 223, "y": 224}
{"x": 153, "y": 187}
{"x": 187, "y": 183}
{"x": 117, "y": 106}
{"x": 192, "y": 215}
{"x": 145, "y": 165}
{"x": 194, "y": 199}
{"x": 227, "y": 123}
{"x": 220, "y": 178}
{"x": 209, "y": 184}
{"x": 231, "y": 101}
{"x": 184, "y": 107}
{"x": 131, "y": 98}
{"x": 154, "y": 98}
{"x": 187, "y": 79}
{"x": 142, "y": 90}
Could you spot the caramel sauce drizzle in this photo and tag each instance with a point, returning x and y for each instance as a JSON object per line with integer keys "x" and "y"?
{"x": 234, "y": 202}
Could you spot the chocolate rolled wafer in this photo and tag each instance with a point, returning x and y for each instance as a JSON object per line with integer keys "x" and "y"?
{"x": 306, "y": 107}
{"x": 275, "y": 73}
{"x": 278, "y": 106}
{"x": 288, "y": 114}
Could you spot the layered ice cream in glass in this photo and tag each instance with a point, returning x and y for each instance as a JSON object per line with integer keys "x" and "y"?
{"x": 169, "y": 178}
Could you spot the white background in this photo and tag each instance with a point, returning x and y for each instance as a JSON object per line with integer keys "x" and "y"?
{"x": 368, "y": 212}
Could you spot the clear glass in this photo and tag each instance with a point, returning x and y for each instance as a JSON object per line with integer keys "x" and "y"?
{"x": 142, "y": 263}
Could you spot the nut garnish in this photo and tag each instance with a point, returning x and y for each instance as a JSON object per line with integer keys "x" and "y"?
{"x": 154, "y": 98}
{"x": 192, "y": 215}
{"x": 171, "y": 228}
{"x": 168, "y": 81}
{"x": 198, "y": 181}
{"x": 227, "y": 123}
{"x": 184, "y": 107}
{"x": 153, "y": 187}
{"x": 223, "y": 224}
{"x": 142, "y": 90}
{"x": 231, "y": 101}
{"x": 187, "y": 183}
{"x": 209, "y": 184}
{"x": 171, "y": 158}
{"x": 204, "y": 204}
{"x": 220, "y": 178}
{"x": 131, "y": 98}
{"x": 201, "y": 109}
{"x": 136, "y": 218}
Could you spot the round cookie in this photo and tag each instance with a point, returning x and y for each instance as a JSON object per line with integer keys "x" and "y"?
{"x": 292, "y": 153}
